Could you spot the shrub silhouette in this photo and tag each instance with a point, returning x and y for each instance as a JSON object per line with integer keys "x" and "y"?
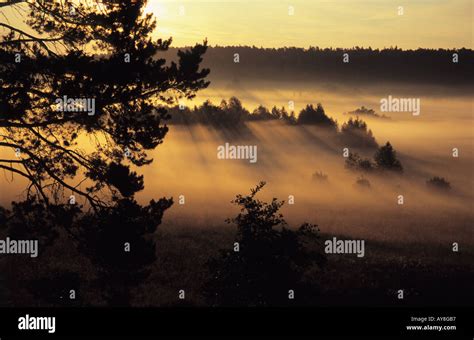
{"x": 362, "y": 182}
{"x": 271, "y": 260}
{"x": 98, "y": 235}
{"x": 386, "y": 159}
{"x": 357, "y": 163}
{"x": 438, "y": 183}
{"x": 363, "y": 111}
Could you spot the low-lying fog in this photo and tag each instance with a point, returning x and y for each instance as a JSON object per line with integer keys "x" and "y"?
{"x": 187, "y": 164}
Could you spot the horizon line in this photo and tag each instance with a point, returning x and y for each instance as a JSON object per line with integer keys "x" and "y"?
{"x": 333, "y": 48}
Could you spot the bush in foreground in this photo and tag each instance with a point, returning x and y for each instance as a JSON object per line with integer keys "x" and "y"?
{"x": 267, "y": 261}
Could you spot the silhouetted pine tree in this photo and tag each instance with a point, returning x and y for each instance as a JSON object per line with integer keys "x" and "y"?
{"x": 386, "y": 159}
{"x": 105, "y": 51}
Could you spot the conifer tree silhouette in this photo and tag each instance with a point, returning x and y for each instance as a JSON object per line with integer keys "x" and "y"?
{"x": 101, "y": 50}
{"x": 386, "y": 158}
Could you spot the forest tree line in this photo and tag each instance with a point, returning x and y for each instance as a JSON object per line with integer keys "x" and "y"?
{"x": 430, "y": 66}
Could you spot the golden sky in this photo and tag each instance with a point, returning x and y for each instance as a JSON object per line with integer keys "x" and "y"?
{"x": 325, "y": 23}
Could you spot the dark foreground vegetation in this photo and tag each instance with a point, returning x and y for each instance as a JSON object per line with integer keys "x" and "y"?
{"x": 256, "y": 261}
{"x": 269, "y": 261}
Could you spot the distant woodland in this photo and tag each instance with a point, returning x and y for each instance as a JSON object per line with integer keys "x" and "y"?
{"x": 440, "y": 67}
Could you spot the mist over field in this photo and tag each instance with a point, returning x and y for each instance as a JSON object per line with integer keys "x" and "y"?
{"x": 288, "y": 156}
{"x": 287, "y": 159}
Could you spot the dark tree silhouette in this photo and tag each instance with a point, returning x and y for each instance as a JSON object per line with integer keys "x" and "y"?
{"x": 128, "y": 81}
{"x": 374, "y": 66}
{"x": 235, "y": 112}
{"x": 229, "y": 114}
{"x": 271, "y": 259}
{"x": 386, "y": 159}
{"x": 210, "y": 113}
{"x": 276, "y": 113}
{"x": 363, "y": 111}
{"x": 288, "y": 118}
{"x": 310, "y": 115}
{"x": 356, "y": 134}
{"x": 262, "y": 113}
{"x": 130, "y": 86}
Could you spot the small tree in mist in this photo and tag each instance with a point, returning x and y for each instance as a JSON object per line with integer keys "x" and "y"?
{"x": 438, "y": 183}
{"x": 356, "y": 133}
{"x": 320, "y": 177}
{"x": 271, "y": 259}
{"x": 363, "y": 111}
{"x": 355, "y": 162}
{"x": 362, "y": 183}
{"x": 386, "y": 159}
